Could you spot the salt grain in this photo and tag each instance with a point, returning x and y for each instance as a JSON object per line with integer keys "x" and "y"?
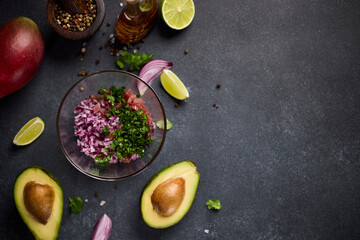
{"x": 121, "y": 4}
{"x": 111, "y": 35}
{"x": 206, "y": 230}
{"x": 86, "y": 200}
{"x": 102, "y": 203}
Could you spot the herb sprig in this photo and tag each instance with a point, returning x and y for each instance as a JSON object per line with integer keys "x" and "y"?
{"x": 76, "y": 204}
{"x": 134, "y": 60}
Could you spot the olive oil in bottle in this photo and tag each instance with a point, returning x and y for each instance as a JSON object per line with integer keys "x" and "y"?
{"x": 136, "y": 19}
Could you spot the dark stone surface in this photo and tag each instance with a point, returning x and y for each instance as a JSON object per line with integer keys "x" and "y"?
{"x": 281, "y": 152}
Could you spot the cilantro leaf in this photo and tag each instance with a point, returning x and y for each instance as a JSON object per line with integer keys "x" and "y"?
{"x": 213, "y": 204}
{"x": 134, "y": 60}
{"x": 106, "y": 130}
{"x": 76, "y": 204}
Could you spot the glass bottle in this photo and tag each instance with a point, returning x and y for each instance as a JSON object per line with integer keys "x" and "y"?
{"x": 136, "y": 19}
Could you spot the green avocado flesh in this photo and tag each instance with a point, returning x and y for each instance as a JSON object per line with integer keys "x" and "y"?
{"x": 185, "y": 170}
{"x": 39, "y": 200}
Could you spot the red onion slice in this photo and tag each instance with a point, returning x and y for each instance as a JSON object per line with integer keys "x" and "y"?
{"x": 102, "y": 229}
{"x": 150, "y": 71}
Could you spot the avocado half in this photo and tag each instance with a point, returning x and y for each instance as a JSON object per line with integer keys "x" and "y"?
{"x": 39, "y": 199}
{"x": 185, "y": 170}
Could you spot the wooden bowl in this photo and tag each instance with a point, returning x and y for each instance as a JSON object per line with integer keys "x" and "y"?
{"x": 100, "y": 14}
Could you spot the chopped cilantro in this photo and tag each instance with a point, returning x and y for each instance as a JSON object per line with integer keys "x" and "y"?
{"x": 213, "y": 204}
{"x": 135, "y": 60}
{"x": 76, "y": 204}
{"x": 133, "y": 137}
{"x": 106, "y": 130}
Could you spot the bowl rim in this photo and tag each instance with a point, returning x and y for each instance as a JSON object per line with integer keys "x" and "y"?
{"x": 69, "y": 158}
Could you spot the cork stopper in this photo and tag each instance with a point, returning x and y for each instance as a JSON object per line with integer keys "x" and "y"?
{"x": 130, "y": 2}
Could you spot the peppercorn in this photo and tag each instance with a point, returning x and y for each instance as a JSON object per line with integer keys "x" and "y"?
{"x": 83, "y": 50}
{"x": 81, "y": 89}
{"x": 218, "y": 85}
{"x": 97, "y": 61}
{"x": 176, "y": 105}
{"x": 108, "y": 24}
{"x": 116, "y": 187}
{"x": 186, "y": 51}
{"x": 101, "y": 47}
{"x": 72, "y": 23}
{"x": 96, "y": 194}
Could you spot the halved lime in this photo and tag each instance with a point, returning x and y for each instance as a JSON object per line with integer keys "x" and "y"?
{"x": 178, "y": 14}
{"x": 29, "y": 132}
{"x": 173, "y": 85}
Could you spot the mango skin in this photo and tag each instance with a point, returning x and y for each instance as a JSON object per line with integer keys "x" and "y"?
{"x": 21, "y": 53}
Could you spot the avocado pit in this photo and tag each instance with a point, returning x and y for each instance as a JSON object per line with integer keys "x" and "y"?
{"x": 39, "y": 200}
{"x": 168, "y": 196}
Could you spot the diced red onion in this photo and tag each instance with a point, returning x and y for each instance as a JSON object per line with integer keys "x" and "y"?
{"x": 102, "y": 229}
{"x": 150, "y": 71}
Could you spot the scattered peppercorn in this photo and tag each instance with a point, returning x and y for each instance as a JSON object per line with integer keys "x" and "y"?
{"x": 116, "y": 187}
{"x": 97, "y": 61}
{"x": 83, "y": 50}
{"x": 82, "y": 73}
{"x": 81, "y": 59}
{"x": 218, "y": 85}
{"x": 214, "y": 105}
{"x": 176, "y": 105}
{"x": 81, "y": 89}
{"x": 108, "y": 24}
{"x": 101, "y": 47}
{"x": 96, "y": 194}
{"x": 138, "y": 47}
{"x": 186, "y": 51}
{"x": 143, "y": 40}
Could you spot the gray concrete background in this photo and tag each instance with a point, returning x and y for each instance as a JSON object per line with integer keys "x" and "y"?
{"x": 281, "y": 152}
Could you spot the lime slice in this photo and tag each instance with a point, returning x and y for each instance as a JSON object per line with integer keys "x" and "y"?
{"x": 173, "y": 85}
{"x": 145, "y": 5}
{"x": 160, "y": 124}
{"x": 178, "y": 14}
{"x": 29, "y": 132}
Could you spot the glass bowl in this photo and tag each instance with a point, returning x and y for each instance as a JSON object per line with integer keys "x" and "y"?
{"x": 90, "y": 85}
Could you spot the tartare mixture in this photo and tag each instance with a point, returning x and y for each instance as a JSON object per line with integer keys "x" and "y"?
{"x": 113, "y": 126}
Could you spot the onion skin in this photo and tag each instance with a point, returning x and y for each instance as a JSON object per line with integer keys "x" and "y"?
{"x": 151, "y": 71}
{"x": 102, "y": 229}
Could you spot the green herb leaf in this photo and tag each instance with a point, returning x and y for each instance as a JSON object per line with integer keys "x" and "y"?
{"x": 160, "y": 124}
{"x": 106, "y": 130}
{"x": 76, "y": 204}
{"x": 135, "y": 60}
{"x": 213, "y": 204}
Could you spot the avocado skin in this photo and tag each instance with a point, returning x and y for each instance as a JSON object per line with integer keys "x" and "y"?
{"x": 154, "y": 177}
{"x": 52, "y": 177}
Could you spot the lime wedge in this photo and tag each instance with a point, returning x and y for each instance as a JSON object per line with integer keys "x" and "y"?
{"x": 160, "y": 124}
{"x": 173, "y": 85}
{"x": 29, "y": 132}
{"x": 178, "y": 14}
